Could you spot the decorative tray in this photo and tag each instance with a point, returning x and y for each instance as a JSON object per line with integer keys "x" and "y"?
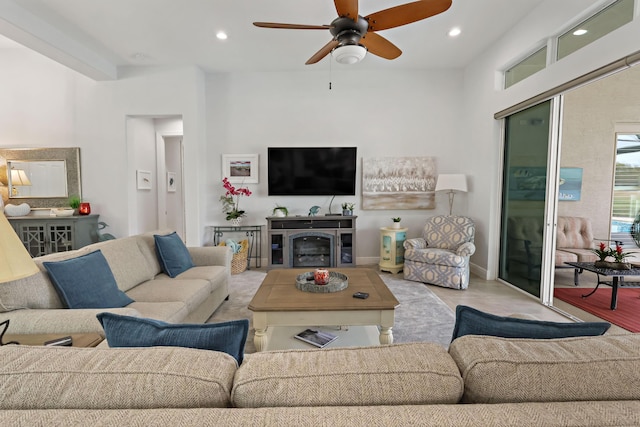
{"x": 337, "y": 282}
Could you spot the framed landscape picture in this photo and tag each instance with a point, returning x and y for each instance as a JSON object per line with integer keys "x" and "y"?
{"x": 241, "y": 168}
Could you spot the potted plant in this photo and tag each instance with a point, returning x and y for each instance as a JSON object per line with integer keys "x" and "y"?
{"x": 396, "y": 222}
{"x": 280, "y": 211}
{"x": 74, "y": 203}
{"x": 347, "y": 208}
{"x": 230, "y": 205}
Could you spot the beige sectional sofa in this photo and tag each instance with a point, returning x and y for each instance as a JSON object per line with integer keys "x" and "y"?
{"x": 33, "y": 305}
{"x": 479, "y": 381}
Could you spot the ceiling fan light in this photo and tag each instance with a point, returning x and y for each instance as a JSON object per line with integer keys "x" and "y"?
{"x": 349, "y": 54}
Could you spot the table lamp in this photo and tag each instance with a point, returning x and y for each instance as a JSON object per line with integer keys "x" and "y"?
{"x": 18, "y": 178}
{"x": 451, "y": 183}
{"x": 15, "y": 261}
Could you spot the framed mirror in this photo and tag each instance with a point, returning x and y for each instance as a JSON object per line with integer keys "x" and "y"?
{"x": 41, "y": 177}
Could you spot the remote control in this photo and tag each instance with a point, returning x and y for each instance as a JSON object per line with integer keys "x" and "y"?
{"x": 361, "y": 295}
{"x": 64, "y": 341}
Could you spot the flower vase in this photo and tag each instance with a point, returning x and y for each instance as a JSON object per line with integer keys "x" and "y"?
{"x": 395, "y": 225}
{"x": 235, "y": 222}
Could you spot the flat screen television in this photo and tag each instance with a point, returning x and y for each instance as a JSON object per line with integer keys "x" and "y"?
{"x": 312, "y": 171}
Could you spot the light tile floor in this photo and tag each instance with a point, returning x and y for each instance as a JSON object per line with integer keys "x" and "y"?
{"x": 503, "y": 300}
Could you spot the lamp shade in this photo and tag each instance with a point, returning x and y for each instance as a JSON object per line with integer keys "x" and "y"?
{"x": 19, "y": 177}
{"x": 15, "y": 261}
{"x": 349, "y": 54}
{"x": 452, "y": 182}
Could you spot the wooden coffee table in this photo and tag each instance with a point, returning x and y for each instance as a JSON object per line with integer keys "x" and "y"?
{"x": 279, "y": 303}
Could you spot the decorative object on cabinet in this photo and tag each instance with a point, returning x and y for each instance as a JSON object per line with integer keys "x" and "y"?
{"x": 241, "y": 168}
{"x": 396, "y": 222}
{"x": 451, "y": 183}
{"x": 15, "y": 262}
{"x": 54, "y": 174}
{"x": 17, "y": 210}
{"x": 42, "y": 235}
{"x": 398, "y": 183}
{"x": 85, "y": 208}
{"x": 143, "y": 180}
{"x": 313, "y": 210}
{"x": 74, "y": 202}
{"x": 231, "y": 205}
{"x": 347, "y": 208}
{"x": 62, "y": 212}
{"x": 308, "y": 241}
{"x": 392, "y": 249}
{"x": 280, "y": 211}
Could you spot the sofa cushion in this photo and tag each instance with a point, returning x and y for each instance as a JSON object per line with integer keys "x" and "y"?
{"x": 35, "y": 291}
{"x": 191, "y": 292}
{"x": 86, "y": 282}
{"x": 128, "y": 264}
{"x": 501, "y": 370}
{"x": 125, "y": 331}
{"x": 54, "y": 377}
{"x": 172, "y": 254}
{"x": 415, "y": 373}
{"x": 470, "y": 321}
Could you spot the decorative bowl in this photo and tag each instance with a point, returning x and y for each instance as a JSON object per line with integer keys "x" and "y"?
{"x": 17, "y": 210}
{"x": 63, "y": 212}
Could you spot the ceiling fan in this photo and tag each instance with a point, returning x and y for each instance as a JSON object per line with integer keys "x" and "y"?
{"x": 354, "y": 35}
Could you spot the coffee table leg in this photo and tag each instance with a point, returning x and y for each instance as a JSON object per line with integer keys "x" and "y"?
{"x": 386, "y": 335}
{"x": 260, "y": 339}
{"x": 260, "y": 326}
{"x": 614, "y": 293}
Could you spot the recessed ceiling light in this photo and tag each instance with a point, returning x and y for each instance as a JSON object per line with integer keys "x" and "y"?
{"x": 454, "y": 32}
{"x": 221, "y": 35}
{"x": 579, "y": 32}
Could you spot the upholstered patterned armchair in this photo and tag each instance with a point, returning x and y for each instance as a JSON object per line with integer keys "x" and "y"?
{"x": 441, "y": 255}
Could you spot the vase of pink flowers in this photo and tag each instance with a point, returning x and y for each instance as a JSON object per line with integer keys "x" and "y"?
{"x": 231, "y": 202}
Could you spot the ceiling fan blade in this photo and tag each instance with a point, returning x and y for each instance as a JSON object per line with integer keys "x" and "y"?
{"x": 348, "y": 8}
{"x": 380, "y": 46}
{"x": 291, "y": 26}
{"x": 322, "y": 52}
{"x": 406, "y": 14}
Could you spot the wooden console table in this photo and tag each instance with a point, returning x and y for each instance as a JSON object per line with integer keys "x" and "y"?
{"x": 617, "y": 279}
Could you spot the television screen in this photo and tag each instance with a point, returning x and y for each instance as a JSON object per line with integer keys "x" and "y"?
{"x": 312, "y": 171}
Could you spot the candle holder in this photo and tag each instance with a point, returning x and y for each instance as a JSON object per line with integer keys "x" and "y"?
{"x": 84, "y": 209}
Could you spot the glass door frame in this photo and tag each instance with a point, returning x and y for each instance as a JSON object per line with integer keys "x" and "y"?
{"x": 547, "y": 268}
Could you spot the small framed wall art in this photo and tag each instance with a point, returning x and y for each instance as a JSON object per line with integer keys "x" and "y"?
{"x": 241, "y": 168}
{"x": 171, "y": 182}
{"x": 144, "y": 179}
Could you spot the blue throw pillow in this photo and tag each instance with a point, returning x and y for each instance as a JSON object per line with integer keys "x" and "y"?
{"x": 470, "y": 321}
{"x": 86, "y": 282}
{"x": 173, "y": 255}
{"x": 126, "y": 331}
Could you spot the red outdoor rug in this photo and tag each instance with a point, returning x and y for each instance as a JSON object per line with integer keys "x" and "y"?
{"x": 627, "y": 315}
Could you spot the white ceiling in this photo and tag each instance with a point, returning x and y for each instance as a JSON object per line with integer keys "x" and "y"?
{"x": 182, "y": 32}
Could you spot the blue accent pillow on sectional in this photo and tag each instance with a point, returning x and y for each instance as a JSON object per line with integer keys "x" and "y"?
{"x": 173, "y": 255}
{"x": 86, "y": 282}
{"x": 126, "y": 331}
{"x": 470, "y": 321}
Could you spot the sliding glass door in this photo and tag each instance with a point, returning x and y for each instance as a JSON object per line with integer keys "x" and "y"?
{"x": 524, "y": 194}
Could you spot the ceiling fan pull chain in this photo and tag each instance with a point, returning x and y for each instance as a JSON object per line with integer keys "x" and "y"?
{"x": 330, "y": 70}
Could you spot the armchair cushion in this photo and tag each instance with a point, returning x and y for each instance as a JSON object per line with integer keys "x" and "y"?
{"x": 415, "y": 243}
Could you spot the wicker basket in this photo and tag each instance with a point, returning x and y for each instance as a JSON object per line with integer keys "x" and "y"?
{"x": 239, "y": 260}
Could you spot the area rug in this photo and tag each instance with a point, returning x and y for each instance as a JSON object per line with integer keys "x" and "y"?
{"x": 626, "y": 315}
{"x": 420, "y": 317}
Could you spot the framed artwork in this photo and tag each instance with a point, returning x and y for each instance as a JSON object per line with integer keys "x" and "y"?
{"x": 171, "y": 182}
{"x": 143, "y": 179}
{"x": 399, "y": 183}
{"x": 241, "y": 168}
{"x": 530, "y": 183}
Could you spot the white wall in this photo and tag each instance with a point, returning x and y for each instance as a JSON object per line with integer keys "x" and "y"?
{"x": 393, "y": 114}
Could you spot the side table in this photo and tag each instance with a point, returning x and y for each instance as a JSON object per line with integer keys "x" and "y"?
{"x": 78, "y": 340}
{"x": 392, "y": 249}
